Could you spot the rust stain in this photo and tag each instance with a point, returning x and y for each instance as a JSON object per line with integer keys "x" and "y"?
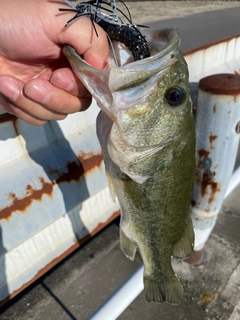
{"x": 193, "y": 203}
{"x": 214, "y": 109}
{"x": 75, "y": 170}
{"x": 203, "y": 153}
{"x": 195, "y": 257}
{"x": 205, "y": 179}
{"x": 90, "y": 160}
{"x": 221, "y": 84}
{"x": 21, "y": 204}
{"x": 208, "y": 182}
{"x": 55, "y": 261}
{"x": 204, "y": 47}
{"x": 211, "y": 139}
{"x": 7, "y": 117}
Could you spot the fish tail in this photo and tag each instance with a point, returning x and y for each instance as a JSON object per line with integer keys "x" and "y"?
{"x": 168, "y": 290}
{"x": 128, "y": 247}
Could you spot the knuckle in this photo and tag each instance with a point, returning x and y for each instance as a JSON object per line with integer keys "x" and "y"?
{"x": 64, "y": 106}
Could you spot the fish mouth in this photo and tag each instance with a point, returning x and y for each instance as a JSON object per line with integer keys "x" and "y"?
{"x": 102, "y": 84}
{"x": 160, "y": 42}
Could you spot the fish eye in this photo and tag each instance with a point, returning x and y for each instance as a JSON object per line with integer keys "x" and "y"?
{"x": 175, "y": 96}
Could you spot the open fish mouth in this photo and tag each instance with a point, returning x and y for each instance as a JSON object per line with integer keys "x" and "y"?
{"x": 123, "y": 72}
{"x": 160, "y": 42}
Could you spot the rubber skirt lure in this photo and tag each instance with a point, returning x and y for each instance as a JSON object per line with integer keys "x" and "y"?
{"x": 105, "y": 15}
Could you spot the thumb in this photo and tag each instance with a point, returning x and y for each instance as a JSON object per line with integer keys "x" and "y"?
{"x": 82, "y": 36}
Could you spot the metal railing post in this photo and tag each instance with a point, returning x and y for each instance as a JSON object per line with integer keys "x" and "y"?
{"x": 217, "y": 132}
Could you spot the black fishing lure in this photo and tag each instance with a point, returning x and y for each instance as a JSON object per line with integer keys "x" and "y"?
{"x": 105, "y": 15}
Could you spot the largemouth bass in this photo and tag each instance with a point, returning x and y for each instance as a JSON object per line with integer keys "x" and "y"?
{"x": 147, "y": 134}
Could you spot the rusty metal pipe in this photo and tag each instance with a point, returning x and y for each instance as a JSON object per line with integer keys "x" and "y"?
{"x": 217, "y": 131}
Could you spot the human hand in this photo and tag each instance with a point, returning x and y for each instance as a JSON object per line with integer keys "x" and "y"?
{"x": 36, "y": 81}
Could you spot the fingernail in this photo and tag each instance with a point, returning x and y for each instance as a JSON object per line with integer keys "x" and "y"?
{"x": 10, "y": 89}
{"x": 37, "y": 92}
{"x": 62, "y": 81}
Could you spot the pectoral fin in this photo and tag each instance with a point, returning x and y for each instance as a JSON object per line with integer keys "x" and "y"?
{"x": 128, "y": 247}
{"x": 184, "y": 246}
{"x": 111, "y": 185}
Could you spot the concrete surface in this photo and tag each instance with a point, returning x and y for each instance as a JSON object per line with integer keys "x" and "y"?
{"x": 78, "y": 285}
